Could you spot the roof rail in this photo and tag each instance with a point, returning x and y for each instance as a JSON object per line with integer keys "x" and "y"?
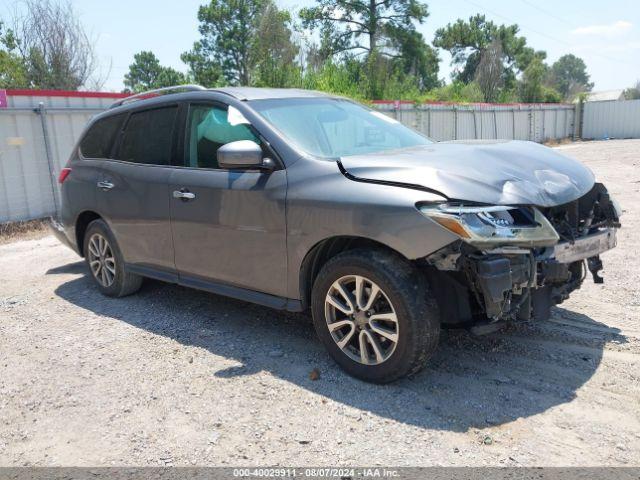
{"x": 157, "y": 91}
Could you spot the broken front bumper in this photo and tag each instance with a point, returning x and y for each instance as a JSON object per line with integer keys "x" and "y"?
{"x": 584, "y": 247}
{"x": 517, "y": 283}
{"x": 540, "y": 280}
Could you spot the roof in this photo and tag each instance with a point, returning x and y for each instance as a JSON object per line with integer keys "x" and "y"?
{"x": 605, "y": 95}
{"x": 239, "y": 93}
{"x": 253, "y": 93}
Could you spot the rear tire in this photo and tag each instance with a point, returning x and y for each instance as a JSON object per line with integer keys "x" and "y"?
{"x": 398, "y": 329}
{"x": 106, "y": 263}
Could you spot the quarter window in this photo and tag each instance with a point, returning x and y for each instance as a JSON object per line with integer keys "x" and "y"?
{"x": 210, "y": 127}
{"x": 148, "y": 136}
{"x": 98, "y": 140}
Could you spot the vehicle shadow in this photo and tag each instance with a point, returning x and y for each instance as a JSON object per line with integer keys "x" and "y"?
{"x": 471, "y": 382}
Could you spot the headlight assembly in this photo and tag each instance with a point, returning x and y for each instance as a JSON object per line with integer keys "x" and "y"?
{"x": 487, "y": 226}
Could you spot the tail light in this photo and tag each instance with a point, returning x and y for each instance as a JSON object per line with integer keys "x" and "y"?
{"x": 64, "y": 173}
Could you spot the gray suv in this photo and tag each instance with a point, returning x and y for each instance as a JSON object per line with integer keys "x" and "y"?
{"x": 297, "y": 200}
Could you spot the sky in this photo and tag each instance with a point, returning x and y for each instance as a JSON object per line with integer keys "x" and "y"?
{"x": 605, "y": 33}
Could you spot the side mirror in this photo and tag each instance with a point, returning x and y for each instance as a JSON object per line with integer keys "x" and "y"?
{"x": 243, "y": 154}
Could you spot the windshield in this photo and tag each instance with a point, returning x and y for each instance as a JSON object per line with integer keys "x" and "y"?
{"x": 332, "y": 128}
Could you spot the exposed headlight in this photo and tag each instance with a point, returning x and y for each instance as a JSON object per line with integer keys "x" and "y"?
{"x": 493, "y": 225}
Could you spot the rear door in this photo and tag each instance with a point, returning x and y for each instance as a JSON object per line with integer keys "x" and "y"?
{"x": 133, "y": 192}
{"x": 80, "y": 190}
{"x": 232, "y": 228}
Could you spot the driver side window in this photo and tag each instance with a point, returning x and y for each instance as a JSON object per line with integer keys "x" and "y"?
{"x": 208, "y": 128}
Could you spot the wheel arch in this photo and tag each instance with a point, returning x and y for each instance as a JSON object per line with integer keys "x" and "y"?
{"x": 326, "y": 249}
{"x": 82, "y": 222}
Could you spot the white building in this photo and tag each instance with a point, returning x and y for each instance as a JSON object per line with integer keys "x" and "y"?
{"x": 605, "y": 95}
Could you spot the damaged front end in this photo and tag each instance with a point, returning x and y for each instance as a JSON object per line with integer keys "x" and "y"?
{"x": 515, "y": 263}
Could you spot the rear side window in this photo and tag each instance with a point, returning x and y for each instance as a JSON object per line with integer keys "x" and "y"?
{"x": 98, "y": 140}
{"x": 147, "y": 138}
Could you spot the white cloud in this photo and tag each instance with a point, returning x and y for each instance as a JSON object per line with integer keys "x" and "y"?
{"x": 616, "y": 28}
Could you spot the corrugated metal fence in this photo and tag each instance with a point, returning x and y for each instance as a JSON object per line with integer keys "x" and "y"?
{"x": 37, "y": 134}
{"x": 613, "y": 119}
{"x": 442, "y": 122}
{"x": 38, "y": 131}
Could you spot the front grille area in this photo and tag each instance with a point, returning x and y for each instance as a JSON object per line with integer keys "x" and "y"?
{"x": 584, "y": 215}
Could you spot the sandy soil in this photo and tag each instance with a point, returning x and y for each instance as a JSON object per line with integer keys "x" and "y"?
{"x": 173, "y": 376}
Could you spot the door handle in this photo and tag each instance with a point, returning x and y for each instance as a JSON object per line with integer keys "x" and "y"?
{"x": 105, "y": 186}
{"x": 184, "y": 194}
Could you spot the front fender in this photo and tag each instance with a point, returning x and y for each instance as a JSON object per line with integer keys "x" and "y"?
{"x": 322, "y": 203}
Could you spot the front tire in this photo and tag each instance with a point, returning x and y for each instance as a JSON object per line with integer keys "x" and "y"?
{"x": 374, "y": 313}
{"x": 106, "y": 263}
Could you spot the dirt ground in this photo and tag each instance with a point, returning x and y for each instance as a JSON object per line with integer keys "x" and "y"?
{"x": 173, "y": 376}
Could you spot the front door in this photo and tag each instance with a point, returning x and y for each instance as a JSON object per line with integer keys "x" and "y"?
{"x": 228, "y": 225}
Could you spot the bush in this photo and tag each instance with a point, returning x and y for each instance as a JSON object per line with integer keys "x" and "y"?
{"x": 351, "y": 79}
{"x": 457, "y": 92}
{"x": 336, "y": 79}
{"x": 551, "y": 95}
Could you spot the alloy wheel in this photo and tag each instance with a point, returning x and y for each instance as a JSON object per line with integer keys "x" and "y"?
{"x": 101, "y": 260}
{"x": 361, "y": 319}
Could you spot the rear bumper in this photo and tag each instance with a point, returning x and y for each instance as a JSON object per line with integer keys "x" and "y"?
{"x": 62, "y": 234}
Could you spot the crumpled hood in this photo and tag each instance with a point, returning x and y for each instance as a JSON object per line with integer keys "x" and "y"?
{"x": 491, "y": 172}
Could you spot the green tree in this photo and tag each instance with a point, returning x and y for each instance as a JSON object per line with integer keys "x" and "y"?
{"x": 243, "y": 42}
{"x": 569, "y": 76}
{"x": 533, "y": 88}
{"x": 273, "y": 53}
{"x": 384, "y": 31}
{"x": 467, "y": 41}
{"x": 416, "y": 59}
{"x": 146, "y": 73}
{"x": 228, "y": 30}
{"x": 202, "y": 69}
{"x": 633, "y": 93}
{"x": 347, "y": 21}
{"x": 12, "y": 68}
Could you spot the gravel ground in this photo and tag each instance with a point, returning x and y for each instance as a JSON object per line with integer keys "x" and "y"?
{"x": 173, "y": 376}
